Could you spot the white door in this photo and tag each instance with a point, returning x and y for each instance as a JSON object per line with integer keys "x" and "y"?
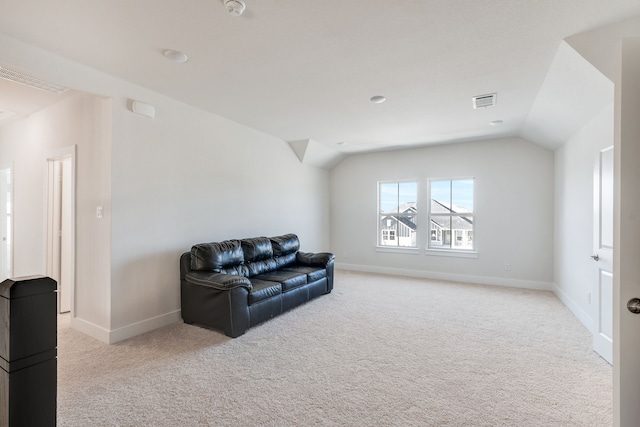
{"x": 602, "y": 295}
{"x": 626, "y": 325}
{"x": 5, "y": 221}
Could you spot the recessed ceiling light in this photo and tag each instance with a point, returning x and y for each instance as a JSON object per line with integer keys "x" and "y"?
{"x": 234, "y": 7}
{"x": 496, "y": 122}
{"x": 378, "y": 99}
{"x": 176, "y": 56}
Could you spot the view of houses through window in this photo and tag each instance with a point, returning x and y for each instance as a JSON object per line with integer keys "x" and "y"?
{"x": 398, "y": 213}
{"x": 451, "y": 212}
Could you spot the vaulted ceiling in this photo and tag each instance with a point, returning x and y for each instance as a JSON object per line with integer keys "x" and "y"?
{"x": 306, "y": 69}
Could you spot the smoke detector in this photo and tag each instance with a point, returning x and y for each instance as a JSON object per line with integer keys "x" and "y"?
{"x": 234, "y": 7}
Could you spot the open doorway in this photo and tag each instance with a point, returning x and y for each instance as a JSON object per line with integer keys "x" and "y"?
{"x": 61, "y": 226}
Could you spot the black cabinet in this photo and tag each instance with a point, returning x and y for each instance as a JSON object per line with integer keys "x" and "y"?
{"x": 28, "y": 342}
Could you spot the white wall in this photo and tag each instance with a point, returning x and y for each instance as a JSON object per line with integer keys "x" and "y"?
{"x": 84, "y": 121}
{"x": 182, "y": 178}
{"x": 575, "y": 161}
{"x": 188, "y": 177}
{"x": 514, "y": 211}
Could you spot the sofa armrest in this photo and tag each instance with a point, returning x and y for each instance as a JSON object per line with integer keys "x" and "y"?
{"x": 219, "y": 281}
{"x": 321, "y": 259}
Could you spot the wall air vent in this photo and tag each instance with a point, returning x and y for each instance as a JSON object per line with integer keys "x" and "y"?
{"x": 483, "y": 101}
{"x": 28, "y": 80}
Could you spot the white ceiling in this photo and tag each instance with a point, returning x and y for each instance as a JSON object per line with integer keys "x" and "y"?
{"x": 305, "y": 69}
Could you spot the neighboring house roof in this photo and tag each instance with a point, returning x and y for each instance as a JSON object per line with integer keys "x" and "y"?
{"x": 406, "y": 208}
{"x": 457, "y": 222}
{"x": 406, "y": 221}
{"x": 437, "y": 207}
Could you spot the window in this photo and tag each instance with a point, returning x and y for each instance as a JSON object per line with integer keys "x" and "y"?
{"x": 451, "y": 214}
{"x": 397, "y": 220}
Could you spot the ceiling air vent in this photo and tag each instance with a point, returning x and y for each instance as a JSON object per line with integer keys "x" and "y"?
{"x": 482, "y": 101}
{"x": 28, "y": 80}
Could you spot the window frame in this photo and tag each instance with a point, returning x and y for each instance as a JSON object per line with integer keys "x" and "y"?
{"x": 381, "y": 216}
{"x": 452, "y": 249}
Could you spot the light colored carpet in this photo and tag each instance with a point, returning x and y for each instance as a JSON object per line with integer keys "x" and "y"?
{"x": 378, "y": 351}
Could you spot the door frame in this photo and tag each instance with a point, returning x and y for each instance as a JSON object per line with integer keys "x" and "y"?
{"x": 53, "y": 156}
{"x": 9, "y": 166}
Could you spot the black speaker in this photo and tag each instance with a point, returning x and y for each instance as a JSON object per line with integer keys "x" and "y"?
{"x": 28, "y": 351}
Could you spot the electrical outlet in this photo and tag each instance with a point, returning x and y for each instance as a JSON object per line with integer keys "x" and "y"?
{"x": 589, "y": 297}
{"x": 507, "y": 267}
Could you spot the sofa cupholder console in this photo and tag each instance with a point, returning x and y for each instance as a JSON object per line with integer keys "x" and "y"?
{"x": 235, "y": 284}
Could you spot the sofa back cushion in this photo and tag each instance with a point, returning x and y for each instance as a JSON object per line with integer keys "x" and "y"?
{"x": 216, "y": 256}
{"x": 285, "y": 245}
{"x": 258, "y": 255}
{"x": 256, "y": 249}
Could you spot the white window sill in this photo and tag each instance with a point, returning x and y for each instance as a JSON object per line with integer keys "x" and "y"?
{"x": 398, "y": 250}
{"x": 451, "y": 253}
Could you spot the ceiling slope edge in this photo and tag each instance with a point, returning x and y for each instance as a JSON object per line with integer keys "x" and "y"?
{"x": 599, "y": 46}
{"x": 573, "y": 92}
{"x": 312, "y": 153}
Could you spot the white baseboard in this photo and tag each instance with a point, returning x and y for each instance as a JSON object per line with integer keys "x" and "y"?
{"x": 482, "y": 280}
{"x": 90, "y": 329}
{"x": 129, "y": 331}
{"x": 144, "y": 326}
{"x": 583, "y": 317}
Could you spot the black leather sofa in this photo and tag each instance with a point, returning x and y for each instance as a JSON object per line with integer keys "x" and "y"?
{"x": 235, "y": 284}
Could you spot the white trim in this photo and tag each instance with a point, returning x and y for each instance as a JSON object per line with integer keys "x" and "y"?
{"x": 399, "y": 249}
{"x": 9, "y": 166}
{"x": 451, "y": 253}
{"x": 54, "y": 155}
{"x": 451, "y": 277}
{"x": 90, "y": 329}
{"x": 583, "y": 317}
{"x": 143, "y": 326}
{"x": 129, "y": 331}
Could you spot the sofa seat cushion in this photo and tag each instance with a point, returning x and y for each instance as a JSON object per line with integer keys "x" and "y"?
{"x": 261, "y": 267}
{"x": 313, "y": 273}
{"x": 262, "y": 290}
{"x": 288, "y": 279}
{"x": 219, "y": 281}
